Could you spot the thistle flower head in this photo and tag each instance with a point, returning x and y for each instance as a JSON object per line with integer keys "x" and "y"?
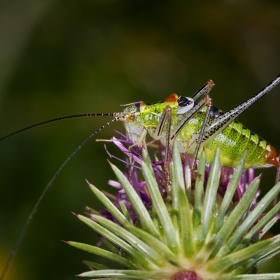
{"x": 208, "y": 227}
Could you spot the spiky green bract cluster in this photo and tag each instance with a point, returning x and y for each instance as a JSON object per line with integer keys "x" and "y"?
{"x": 192, "y": 234}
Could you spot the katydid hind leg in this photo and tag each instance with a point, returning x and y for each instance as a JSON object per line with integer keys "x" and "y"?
{"x": 226, "y": 118}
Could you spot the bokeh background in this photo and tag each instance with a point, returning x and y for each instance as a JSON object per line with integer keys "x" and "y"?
{"x": 60, "y": 58}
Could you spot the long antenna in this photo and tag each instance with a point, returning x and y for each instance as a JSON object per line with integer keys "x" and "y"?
{"x": 34, "y": 210}
{"x": 59, "y": 119}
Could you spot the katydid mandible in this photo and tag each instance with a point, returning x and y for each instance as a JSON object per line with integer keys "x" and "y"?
{"x": 193, "y": 122}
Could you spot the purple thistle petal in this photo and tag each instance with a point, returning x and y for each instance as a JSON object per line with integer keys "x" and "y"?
{"x": 114, "y": 184}
{"x": 126, "y": 151}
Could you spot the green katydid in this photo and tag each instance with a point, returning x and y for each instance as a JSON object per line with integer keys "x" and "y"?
{"x": 193, "y": 122}
{"x": 187, "y": 119}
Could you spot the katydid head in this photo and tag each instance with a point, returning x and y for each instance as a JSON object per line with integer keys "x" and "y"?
{"x": 133, "y": 123}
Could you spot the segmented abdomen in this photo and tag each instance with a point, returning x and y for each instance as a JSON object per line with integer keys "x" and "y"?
{"x": 234, "y": 140}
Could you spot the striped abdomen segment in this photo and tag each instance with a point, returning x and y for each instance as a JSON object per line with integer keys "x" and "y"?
{"x": 234, "y": 140}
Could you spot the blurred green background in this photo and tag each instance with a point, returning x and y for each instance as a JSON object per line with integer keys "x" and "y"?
{"x": 60, "y": 58}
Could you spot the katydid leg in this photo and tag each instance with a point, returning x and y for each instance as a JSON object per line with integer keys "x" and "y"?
{"x": 208, "y": 102}
{"x": 277, "y": 180}
{"x": 187, "y": 118}
{"x": 225, "y": 119}
{"x": 166, "y": 117}
{"x": 203, "y": 91}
